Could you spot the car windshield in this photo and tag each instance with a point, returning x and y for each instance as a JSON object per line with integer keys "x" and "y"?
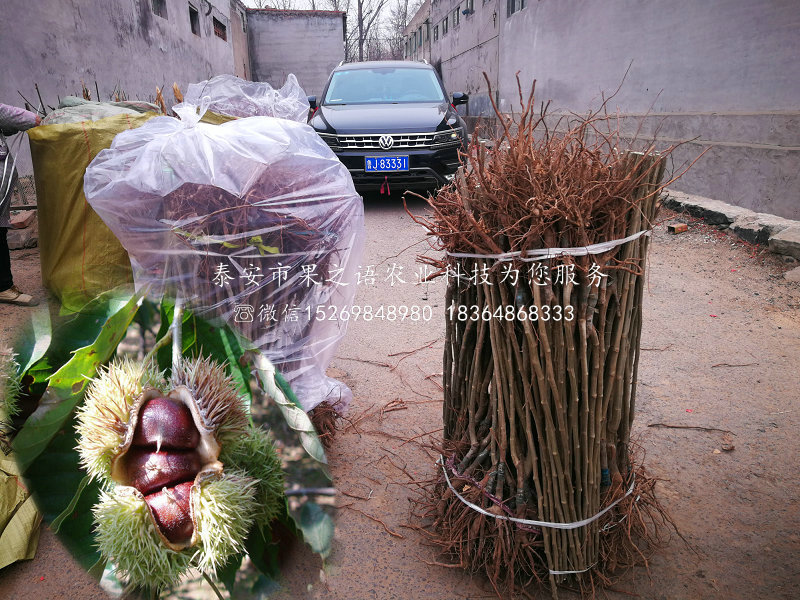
{"x": 381, "y": 85}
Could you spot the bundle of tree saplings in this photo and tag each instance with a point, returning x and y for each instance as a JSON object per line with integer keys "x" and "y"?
{"x": 545, "y": 235}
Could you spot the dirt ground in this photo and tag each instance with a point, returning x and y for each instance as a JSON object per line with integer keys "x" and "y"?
{"x": 721, "y": 345}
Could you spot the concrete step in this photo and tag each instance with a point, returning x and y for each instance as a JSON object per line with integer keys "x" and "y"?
{"x": 781, "y": 235}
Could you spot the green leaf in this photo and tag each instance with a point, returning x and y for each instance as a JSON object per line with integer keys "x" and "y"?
{"x": 70, "y": 330}
{"x": 147, "y": 315}
{"x": 263, "y": 553}
{"x": 209, "y": 339}
{"x": 263, "y": 587}
{"x": 34, "y": 340}
{"x": 295, "y": 416}
{"x": 227, "y": 573}
{"x": 71, "y": 506}
{"x": 317, "y": 527}
{"x": 98, "y": 568}
{"x": 67, "y": 385}
{"x": 224, "y": 345}
{"x": 53, "y": 480}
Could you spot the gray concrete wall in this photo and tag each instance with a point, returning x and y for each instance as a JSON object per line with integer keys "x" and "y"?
{"x": 308, "y": 43}
{"x": 685, "y": 56}
{"x": 119, "y": 44}
{"x": 468, "y": 50}
{"x": 722, "y": 73}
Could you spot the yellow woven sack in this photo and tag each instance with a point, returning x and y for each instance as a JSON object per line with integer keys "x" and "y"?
{"x": 80, "y": 256}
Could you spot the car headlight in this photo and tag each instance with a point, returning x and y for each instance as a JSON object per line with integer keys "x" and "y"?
{"x": 331, "y": 139}
{"x": 448, "y": 137}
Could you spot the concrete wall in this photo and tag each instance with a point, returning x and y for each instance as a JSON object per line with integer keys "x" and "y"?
{"x": 723, "y": 73}
{"x": 468, "y": 50}
{"x": 241, "y": 51}
{"x": 308, "y": 43}
{"x": 119, "y": 44}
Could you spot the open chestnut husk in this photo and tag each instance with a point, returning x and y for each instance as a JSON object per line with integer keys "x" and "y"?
{"x": 185, "y": 475}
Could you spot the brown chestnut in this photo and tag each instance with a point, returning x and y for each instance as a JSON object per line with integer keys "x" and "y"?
{"x": 166, "y": 424}
{"x": 172, "y": 511}
{"x": 149, "y": 471}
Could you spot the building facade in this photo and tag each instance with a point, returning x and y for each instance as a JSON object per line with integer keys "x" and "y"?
{"x": 722, "y": 76}
{"x": 130, "y": 47}
{"x": 418, "y": 35}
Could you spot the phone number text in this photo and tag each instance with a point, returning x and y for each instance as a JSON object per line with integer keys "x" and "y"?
{"x": 389, "y": 312}
{"x": 510, "y": 312}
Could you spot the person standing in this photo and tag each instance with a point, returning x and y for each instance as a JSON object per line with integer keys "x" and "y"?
{"x": 12, "y": 120}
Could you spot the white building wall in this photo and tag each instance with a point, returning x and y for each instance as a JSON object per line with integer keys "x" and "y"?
{"x": 723, "y": 75}
{"x": 119, "y": 44}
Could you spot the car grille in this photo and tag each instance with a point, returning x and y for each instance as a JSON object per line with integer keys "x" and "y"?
{"x": 400, "y": 141}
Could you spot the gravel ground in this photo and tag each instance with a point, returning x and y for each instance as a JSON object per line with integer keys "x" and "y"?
{"x": 721, "y": 347}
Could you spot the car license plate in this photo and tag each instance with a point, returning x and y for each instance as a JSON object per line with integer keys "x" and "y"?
{"x": 380, "y": 164}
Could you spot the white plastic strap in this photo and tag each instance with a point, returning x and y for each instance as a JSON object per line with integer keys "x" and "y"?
{"x": 544, "y": 253}
{"x": 573, "y": 572}
{"x": 573, "y": 525}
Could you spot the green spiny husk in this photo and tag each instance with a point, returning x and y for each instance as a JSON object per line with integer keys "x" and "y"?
{"x": 255, "y": 454}
{"x": 127, "y": 535}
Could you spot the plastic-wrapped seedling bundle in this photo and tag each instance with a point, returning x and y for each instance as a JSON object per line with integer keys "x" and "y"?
{"x": 234, "y": 97}
{"x": 254, "y": 221}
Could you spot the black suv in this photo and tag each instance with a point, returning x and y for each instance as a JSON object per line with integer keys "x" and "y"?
{"x": 391, "y": 124}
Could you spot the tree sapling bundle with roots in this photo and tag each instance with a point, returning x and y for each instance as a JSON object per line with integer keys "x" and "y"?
{"x": 545, "y": 236}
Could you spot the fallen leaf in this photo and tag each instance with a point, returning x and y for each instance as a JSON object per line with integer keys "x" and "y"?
{"x": 717, "y": 451}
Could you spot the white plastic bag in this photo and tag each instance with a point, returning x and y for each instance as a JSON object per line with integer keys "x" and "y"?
{"x": 255, "y": 221}
{"x": 235, "y": 97}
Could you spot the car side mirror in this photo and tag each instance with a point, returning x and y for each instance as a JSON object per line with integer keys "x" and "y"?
{"x": 312, "y": 100}
{"x": 460, "y": 98}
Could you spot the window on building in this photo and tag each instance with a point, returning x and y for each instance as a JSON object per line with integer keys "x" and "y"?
{"x": 515, "y": 6}
{"x": 220, "y": 30}
{"x": 456, "y": 14}
{"x": 243, "y": 18}
{"x": 435, "y": 33}
{"x": 419, "y": 35}
{"x": 469, "y": 7}
{"x": 194, "y": 20}
{"x": 159, "y": 8}
{"x": 444, "y": 27}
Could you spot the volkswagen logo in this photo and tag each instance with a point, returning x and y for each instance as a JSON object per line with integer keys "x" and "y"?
{"x": 386, "y": 141}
